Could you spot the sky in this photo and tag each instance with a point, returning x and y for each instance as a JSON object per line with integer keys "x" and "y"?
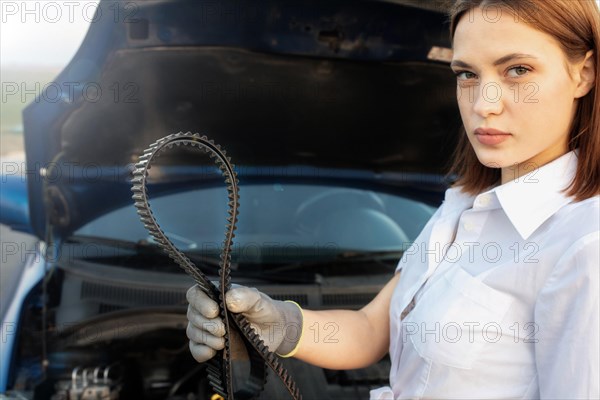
{"x": 42, "y": 33}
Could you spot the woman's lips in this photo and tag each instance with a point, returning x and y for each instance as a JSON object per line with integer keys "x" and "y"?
{"x": 490, "y": 137}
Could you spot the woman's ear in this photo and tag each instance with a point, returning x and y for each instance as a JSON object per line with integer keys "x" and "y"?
{"x": 587, "y": 75}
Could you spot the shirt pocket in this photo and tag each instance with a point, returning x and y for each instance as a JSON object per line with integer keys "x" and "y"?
{"x": 454, "y": 318}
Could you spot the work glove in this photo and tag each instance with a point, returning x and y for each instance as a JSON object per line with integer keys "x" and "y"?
{"x": 278, "y": 323}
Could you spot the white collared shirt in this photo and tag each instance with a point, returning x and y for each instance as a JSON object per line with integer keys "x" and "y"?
{"x": 506, "y": 289}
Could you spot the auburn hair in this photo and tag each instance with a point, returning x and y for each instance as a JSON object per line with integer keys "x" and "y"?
{"x": 575, "y": 24}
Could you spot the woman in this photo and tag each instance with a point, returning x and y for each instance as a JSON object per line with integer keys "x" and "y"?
{"x": 508, "y": 308}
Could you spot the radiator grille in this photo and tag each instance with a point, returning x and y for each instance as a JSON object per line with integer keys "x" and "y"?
{"x": 105, "y": 308}
{"x": 121, "y": 296}
{"x": 350, "y": 299}
{"x": 130, "y": 296}
{"x": 301, "y": 299}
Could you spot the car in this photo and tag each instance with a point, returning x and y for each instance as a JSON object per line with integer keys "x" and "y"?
{"x": 340, "y": 118}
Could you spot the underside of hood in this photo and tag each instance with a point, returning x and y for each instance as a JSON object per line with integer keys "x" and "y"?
{"x": 361, "y": 85}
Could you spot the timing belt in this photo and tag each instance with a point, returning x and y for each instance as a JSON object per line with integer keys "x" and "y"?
{"x": 219, "y": 368}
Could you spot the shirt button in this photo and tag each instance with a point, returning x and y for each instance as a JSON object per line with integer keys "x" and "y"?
{"x": 483, "y": 201}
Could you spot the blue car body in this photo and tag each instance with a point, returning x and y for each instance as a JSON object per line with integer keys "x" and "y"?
{"x": 347, "y": 106}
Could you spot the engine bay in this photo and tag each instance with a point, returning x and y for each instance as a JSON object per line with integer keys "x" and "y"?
{"x": 117, "y": 333}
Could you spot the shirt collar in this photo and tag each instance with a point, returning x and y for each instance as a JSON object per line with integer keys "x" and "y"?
{"x": 534, "y": 197}
{"x": 456, "y": 200}
{"x": 527, "y": 201}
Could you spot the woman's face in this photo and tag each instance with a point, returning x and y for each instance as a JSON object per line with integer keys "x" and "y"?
{"x": 514, "y": 79}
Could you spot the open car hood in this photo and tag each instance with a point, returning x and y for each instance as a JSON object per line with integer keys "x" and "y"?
{"x": 358, "y": 85}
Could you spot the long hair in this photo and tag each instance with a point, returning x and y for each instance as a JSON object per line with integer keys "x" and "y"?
{"x": 575, "y": 24}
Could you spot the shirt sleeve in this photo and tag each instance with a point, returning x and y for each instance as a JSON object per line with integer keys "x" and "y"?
{"x": 567, "y": 342}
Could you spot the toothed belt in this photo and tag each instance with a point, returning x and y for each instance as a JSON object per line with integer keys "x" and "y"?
{"x": 219, "y": 368}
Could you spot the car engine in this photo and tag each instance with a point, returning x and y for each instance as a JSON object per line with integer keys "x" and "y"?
{"x": 114, "y": 333}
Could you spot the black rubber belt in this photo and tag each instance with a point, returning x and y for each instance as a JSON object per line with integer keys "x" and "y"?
{"x": 219, "y": 367}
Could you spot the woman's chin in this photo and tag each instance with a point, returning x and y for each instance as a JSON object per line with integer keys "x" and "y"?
{"x": 492, "y": 160}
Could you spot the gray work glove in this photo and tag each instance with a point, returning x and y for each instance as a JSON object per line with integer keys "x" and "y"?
{"x": 278, "y": 323}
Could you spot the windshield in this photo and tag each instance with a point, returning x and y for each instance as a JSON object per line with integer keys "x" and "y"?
{"x": 278, "y": 223}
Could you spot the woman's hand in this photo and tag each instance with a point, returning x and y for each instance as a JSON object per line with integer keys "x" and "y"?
{"x": 347, "y": 339}
{"x": 278, "y": 323}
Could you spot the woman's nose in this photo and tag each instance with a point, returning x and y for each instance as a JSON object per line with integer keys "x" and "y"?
{"x": 488, "y": 99}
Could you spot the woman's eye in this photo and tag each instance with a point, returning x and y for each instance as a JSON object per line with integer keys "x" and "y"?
{"x": 518, "y": 71}
{"x": 464, "y": 75}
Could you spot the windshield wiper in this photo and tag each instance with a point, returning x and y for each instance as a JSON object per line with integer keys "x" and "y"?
{"x": 381, "y": 258}
{"x": 127, "y": 247}
{"x": 209, "y": 265}
{"x": 352, "y": 255}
